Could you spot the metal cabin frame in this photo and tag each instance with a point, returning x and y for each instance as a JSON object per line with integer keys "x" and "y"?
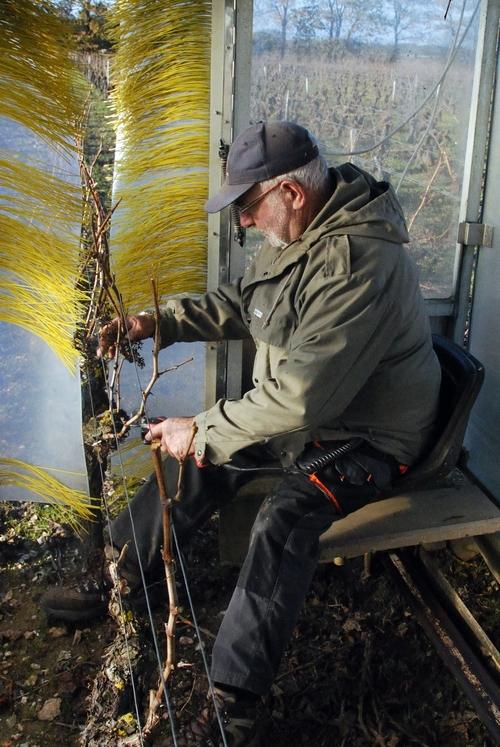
{"x": 463, "y": 318}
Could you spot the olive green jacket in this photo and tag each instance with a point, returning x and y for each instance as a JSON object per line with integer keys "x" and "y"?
{"x": 342, "y": 336}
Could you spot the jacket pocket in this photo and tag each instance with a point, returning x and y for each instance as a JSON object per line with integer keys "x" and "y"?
{"x": 337, "y": 257}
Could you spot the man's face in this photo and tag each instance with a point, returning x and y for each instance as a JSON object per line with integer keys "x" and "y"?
{"x": 266, "y": 210}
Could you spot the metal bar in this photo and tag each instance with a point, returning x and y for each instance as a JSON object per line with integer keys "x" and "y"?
{"x": 484, "y": 644}
{"x": 471, "y": 674}
{"x": 476, "y": 154}
{"x": 489, "y": 547}
{"x": 243, "y": 64}
{"x": 221, "y": 117}
{"x": 236, "y": 357}
{"x": 229, "y": 114}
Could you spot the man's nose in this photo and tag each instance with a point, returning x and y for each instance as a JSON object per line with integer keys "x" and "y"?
{"x": 246, "y": 220}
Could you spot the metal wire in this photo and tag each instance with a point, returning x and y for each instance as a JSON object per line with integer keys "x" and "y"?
{"x": 433, "y": 90}
{"x": 179, "y": 557}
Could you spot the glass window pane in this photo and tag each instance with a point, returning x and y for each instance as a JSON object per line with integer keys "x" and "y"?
{"x": 386, "y": 86}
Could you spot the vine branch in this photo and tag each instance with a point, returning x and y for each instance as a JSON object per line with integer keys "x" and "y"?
{"x": 155, "y": 697}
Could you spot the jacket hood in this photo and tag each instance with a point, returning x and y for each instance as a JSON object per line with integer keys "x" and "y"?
{"x": 360, "y": 206}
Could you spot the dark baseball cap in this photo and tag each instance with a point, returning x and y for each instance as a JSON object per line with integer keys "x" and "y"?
{"x": 261, "y": 152}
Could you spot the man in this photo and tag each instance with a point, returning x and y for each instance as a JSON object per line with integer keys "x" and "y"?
{"x": 344, "y": 358}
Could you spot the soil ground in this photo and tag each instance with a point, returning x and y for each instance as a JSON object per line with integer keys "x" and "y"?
{"x": 359, "y": 671}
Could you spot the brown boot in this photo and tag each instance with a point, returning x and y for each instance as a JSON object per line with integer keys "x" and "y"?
{"x": 88, "y": 598}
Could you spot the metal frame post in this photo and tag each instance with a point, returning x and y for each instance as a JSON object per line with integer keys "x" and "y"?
{"x": 476, "y": 154}
{"x": 229, "y": 114}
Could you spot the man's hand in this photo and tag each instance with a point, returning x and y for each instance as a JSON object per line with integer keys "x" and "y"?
{"x": 176, "y": 436}
{"x": 139, "y": 327}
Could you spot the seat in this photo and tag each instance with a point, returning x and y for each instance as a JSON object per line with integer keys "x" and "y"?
{"x": 433, "y": 502}
{"x": 462, "y": 376}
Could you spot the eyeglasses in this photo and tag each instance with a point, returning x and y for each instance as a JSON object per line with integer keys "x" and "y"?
{"x": 250, "y": 205}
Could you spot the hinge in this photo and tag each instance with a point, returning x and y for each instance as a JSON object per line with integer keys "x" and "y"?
{"x": 475, "y": 234}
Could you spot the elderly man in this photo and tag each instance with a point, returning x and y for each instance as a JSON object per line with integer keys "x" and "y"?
{"x": 344, "y": 359}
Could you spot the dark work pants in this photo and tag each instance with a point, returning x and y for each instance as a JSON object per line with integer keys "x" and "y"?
{"x": 275, "y": 577}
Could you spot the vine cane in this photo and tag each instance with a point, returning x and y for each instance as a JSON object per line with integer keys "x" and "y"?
{"x": 173, "y": 609}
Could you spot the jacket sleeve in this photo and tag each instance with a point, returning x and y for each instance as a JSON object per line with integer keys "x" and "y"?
{"x": 212, "y": 316}
{"x": 344, "y": 327}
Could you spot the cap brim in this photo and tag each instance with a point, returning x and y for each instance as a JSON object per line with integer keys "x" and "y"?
{"x": 228, "y": 194}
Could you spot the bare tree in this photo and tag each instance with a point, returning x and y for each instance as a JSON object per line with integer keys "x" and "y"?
{"x": 401, "y": 16}
{"x": 348, "y": 19}
{"x": 307, "y": 22}
{"x": 282, "y": 10}
{"x": 333, "y": 13}
{"x": 361, "y": 19}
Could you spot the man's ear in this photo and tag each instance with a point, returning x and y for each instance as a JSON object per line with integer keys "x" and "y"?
{"x": 294, "y": 193}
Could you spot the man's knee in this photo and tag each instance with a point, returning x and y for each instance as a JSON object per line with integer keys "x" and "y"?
{"x": 281, "y": 512}
{"x": 269, "y": 521}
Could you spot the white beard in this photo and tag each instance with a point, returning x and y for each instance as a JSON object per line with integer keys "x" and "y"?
{"x": 275, "y": 241}
{"x": 275, "y": 236}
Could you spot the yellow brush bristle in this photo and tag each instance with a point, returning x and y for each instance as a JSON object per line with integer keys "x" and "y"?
{"x": 36, "y": 480}
{"x": 161, "y": 76}
{"x": 40, "y": 214}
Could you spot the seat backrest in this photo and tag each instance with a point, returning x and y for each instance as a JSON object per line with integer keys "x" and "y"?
{"x": 462, "y": 376}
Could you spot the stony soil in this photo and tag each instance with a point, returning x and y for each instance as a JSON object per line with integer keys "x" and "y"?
{"x": 359, "y": 671}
